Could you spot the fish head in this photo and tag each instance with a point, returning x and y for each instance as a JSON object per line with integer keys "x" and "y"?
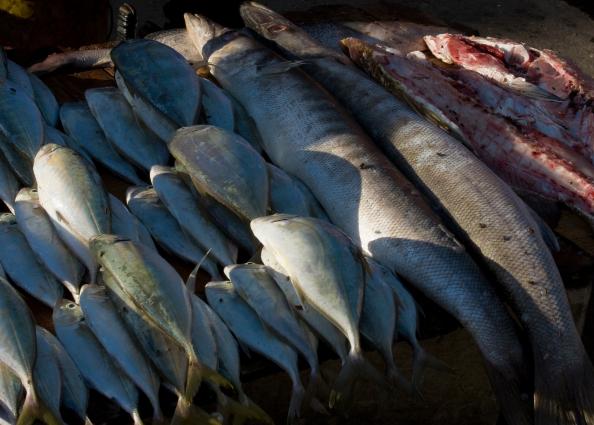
{"x": 269, "y": 227}
{"x": 216, "y": 292}
{"x": 203, "y": 32}
{"x": 47, "y": 150}
{"x": 7, "y": 219}
{"x": 27, "y": 194}
{"x": 160, "y": 170}
{"x": 67, "y": 313}
{"x": 354, "y": 48}
{"x": 136, "y": 192}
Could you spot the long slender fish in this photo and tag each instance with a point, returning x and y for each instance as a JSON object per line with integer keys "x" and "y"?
{"x": 71, "y": 192}
{"x": 97, "y": 367}
{"x": 306, "y": 133}
{"x": 43, "y": 239}
{"x": 124, "y": 223}
{"x": 22, "y": 265}
{"x": 18, "y": 352}
{"x": 104, "y": 321}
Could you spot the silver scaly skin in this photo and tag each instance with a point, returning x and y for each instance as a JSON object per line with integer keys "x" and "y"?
{"x": 309, "y": 135}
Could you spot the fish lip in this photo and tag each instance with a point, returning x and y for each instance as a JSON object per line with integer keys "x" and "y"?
{"x": 133, "y": 191}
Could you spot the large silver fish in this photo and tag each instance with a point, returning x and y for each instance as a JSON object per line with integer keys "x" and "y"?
{"x": 22, "y": 265}
{"x": 160, "y": 77}
{"x": 75, "y": 393}
{"x": 47, "y": 373}
{"x": 122, "y": 128}
{"x": 79, "y": 123}
{"x": 145, "y": 204}
{"x": 99, "y": 370}
{"x": 249, "y": 329}
{"x": 18, "y": 350}
{"x": 192, "y": 217}
{"x": 103, "y": 319}
{"x": 43, "y": 239}
{"x": 309, "y": 135}
{"x": 71, "y": 192}
{"x": 153, "y": 289}
{"x": 225, "y": 166}
{"x": 125, "y": 224}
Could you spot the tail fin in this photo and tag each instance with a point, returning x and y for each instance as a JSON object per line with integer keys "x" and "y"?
{"x": 514, "y": 402}
{"x": 396, "y": 379}
{"x": 421, "y": 361}
{"x": 242, "y": 412}
{"x": 565, "y": 397}
{"x": 88, "y": 421}
{"x": 297, "y": 397}
{"x": 34, "y": 409}
{"x": 355, "y": 368}
{"x": 136, "y": 417}
{"x": 187, "y": 414}
{"x": 315, "y": 384}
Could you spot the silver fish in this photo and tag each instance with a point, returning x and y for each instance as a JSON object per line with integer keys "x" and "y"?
{"x": 310, "y": 315}
{"x": 9, "y": 184}
{"x": 144, "y": 203}
{"x": 18, "y": 353}
{"x": 217, "y": 106}
{"x": 22, "y": 266}
{"x": 19, "y": 162}
{"x": 81, "y": 59}
{"x": 248, "y": 328}
{"x": 47, "y": 373}
{"x": 124, "y": 223}
{"x": 53, "y": 135}
{"x": 104, "y": 321}
{"x": 45, "y": 100}
{"x": 192, "y": 217}
{"x": 245, "y": 125}
{"x": 225, "y": 166}
{"x": 178, "y": 40}
{"x": 122, "y": 128}
{"x": 21, "y": 123}
{"x": 73, "y": 196}
{"x": 97, "y": 367}
{"x": 18, "y": 75}
{"x": 79, "y": 123}
{"x": 43, "y": 239}
{"x": 11, "y": 392}
{"x": 75, "y": 393}
{"x": 160, "y": 75}
{"x": 363, "y": 193}
{"x": 289, "y": 196}
{"x": 154, "y": 290}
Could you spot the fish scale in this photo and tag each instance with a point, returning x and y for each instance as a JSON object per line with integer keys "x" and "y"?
{"x": 308, "y": 135}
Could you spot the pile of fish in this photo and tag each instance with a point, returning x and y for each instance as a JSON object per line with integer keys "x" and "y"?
{"x": 306, "y": 205}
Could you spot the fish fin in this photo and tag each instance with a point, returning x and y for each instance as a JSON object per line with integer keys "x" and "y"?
{"x": 245, "y": 349}
{"x": 34, "y": 409}
{"x": 280, "y": 67}
{"x": 565, "y": 397}
{"x": 297, "y": 396}
{"x": 191, "y": 282}
{"x": 88, "y": 421}
{"x": 423, "y": 360}
{"x": 187, "y": 414}
{"x": 513, "y": 401}
{"x": 356, "y": 367}
{"x": 215, "y": 378}
{"x": 136, "y": 417}
{"x": 241, "y": 412}
{"x": 546, "y": 232}
{"x": 526, "y": 89}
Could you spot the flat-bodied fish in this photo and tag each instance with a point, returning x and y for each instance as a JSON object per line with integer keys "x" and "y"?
{"x": 225, "y": 166}
{"x": 289, "y": 196}
{"x": 9, "y": 184}
{"x": 184, "y": 205}
{"x": 47, "y": 373}
{"x": 11, "y": 392}
{"x": 53, "y": 135}
{"x": 45, "y": 100}
{"x": 125, "y": 224}
{"x": 103, "y": 319}
{"x": 72, "y": 194}
{"x": 79, "y": 123}
{"x": 245, "y": 125}
{"x": 75, "y": 393}
{"x": 43, "y": 239}
{"x": 249, "y": 329}
{"x": 217, "y": 106}
{"x": 18, "y": 75}
{"x": 161, "y": 77}
{"x": 326, "y": 330}
{"x": 98, "y": 369}
{"x": 153, "y": 289}
{"x": 19, "y": 162}
{"x": 21, "y": 123}
{"x": 22, "y": 265}
{"x": 122, "y": 128}
{"x": 18, "y": 353}
{"x": 145, "y": 204}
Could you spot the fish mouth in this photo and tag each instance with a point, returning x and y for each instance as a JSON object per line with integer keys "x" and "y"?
{"x": 259, "y": 16}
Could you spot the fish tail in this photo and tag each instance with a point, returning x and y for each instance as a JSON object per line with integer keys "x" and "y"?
{"x": 34, "y": 409}
{"x": 423, "y": 360}
{"x": 565, "y": 397}
{"x": 194, "y": 377}
{"x": 243, "y": 411}
{"x": 513, "y": 400}
{"x": 136, "y": 417}
{"x": 158, "y": 418}
{"x": 355, "y": 367}
{"x": 396, "y": 379}
{"x": 314, "y": 386}
{"x": 297, "y": 396}
{"x": 88, "y": 421}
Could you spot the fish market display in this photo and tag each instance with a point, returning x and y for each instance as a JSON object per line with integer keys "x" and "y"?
{"x": 327, "y": 178}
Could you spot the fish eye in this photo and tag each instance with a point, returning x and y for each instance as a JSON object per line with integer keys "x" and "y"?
{"x": 71, "y": 305}
{"x": 220, "y": 300}
{"x": 34, "y": 190}
{"x": 277, "y": 28}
